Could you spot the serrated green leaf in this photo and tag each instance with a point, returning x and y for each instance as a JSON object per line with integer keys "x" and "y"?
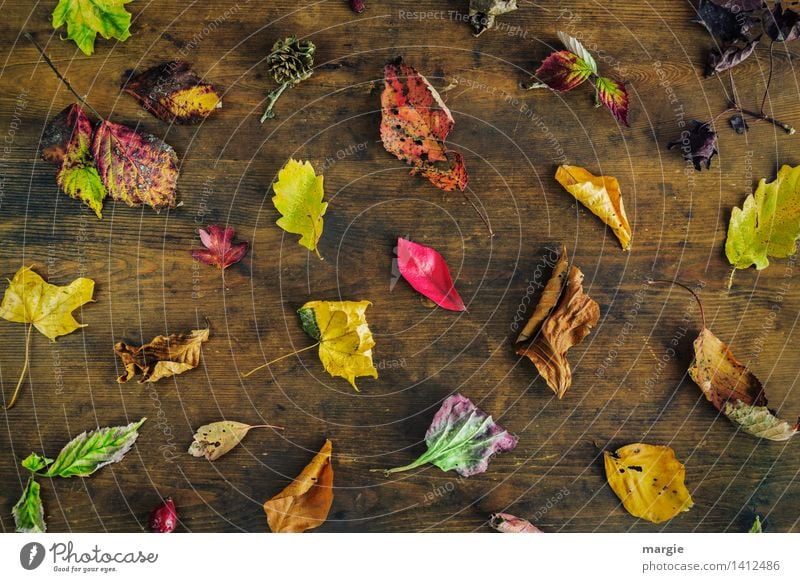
{"x": 768, "y": 224}
{"x": 86, "y": 18}
{"x": 35, "y": 462}
{"x": 88, "y": 452}
{"x": 574, "y": 45}
{"x": 298, "y": 197}
{"x": 759, "y": 421}
{"x": 29, "y": 512}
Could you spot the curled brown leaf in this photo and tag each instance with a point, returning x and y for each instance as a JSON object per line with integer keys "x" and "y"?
{"x": 550, "y": 294}
{"x": 162, "y": 357}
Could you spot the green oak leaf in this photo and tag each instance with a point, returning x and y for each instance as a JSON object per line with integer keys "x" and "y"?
{"x": 86, "y": 18}
{"x": 767, "y": 224}
{"x": 29, "y": 512}
{"x": 88, "y": 452}
{"x": 35, "y": 462}
{"x": 298, "y": 197}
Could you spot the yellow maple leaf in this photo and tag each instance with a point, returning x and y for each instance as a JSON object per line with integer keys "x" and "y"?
{"x": 601, "y": 195}
{"x": 648, "y": 479}
{"x": 298, "y": 197}
{"x": 30, "y": 299}
{"x": 345, "y": 341}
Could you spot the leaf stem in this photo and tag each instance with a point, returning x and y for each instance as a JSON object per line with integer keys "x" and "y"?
{"x": 254, "y": 370}
{"x": 24, "y": 368}
{"x": 483, "y": 218}
{"x": 784, "y": 126}
{"x": 769, "y": 79}
{"x": 689, "y": 289}
{"x": 267, "y": 426}
{"x": 61, "y": 77}
{"x": 273, "y": 97}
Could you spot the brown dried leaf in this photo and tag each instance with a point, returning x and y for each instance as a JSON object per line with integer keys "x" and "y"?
{"x": 217, "y": 438}
{"x": 305, "y": 503}
{"x": 570, "y": 322}
{"x": 162, "y": 357}
{"x": 550, "y": 294}
{"x": 734, "y": 390}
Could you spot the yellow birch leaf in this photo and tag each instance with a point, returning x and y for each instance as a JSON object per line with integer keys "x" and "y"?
{"x": 345, "y": 341}
{"x": 601, "y": 195}
{"x": 649, "y": 481}
{"x": 304, "y": 503}
{"x": 298, "y": 197}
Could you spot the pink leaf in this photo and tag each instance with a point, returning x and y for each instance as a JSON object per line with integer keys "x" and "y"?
{"x": 427, "y": 272}
{"x": 507, "y": 523}
{"x": 222, "y": 252}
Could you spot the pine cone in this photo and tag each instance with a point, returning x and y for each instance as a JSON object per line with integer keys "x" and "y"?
{"x": 291, "y": 61}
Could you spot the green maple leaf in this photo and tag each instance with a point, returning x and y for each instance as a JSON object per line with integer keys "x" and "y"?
{"x": 298, "y": 197}
{"x": 86, "y": 18}
{"x": 768, "y": 224}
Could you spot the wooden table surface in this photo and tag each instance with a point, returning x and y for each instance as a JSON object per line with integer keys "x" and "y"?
{"x": 629, "y": 386}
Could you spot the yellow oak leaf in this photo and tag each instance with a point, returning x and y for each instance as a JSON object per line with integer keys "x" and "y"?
{"x": 345, "y": 341}
{"x": 601, "y": 195}
{"x": 649, "y": 480}
{"x": 298, "y": 197}
{"x": 304, "y": 503}
{"x": 30, "y": 299}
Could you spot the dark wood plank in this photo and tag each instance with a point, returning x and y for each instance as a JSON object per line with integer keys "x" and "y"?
{"x": 147, "y": 283}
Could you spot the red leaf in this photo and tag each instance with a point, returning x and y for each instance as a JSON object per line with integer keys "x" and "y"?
{"x": 427, "y": 272}
{"x": 174, "y": 93}
{"x": 414, "y": 125}
{"x": 563, "y": 71}
{"x": 614, "y": 96}
{"x": 222, "y": 252}
{"x": 136, "y": 168}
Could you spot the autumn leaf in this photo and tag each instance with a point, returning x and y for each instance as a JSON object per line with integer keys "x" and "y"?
{"x": 28, "y": 512}
{"x": 217, "y": 438}
{"x": 507, "y": 523}
{"x": 135, "y": 167}
{"x": 162, "y": 357}
{"x": 698, "y": 145}
{"x": 482, "y": 13}
{"x": 298, "y": 197}
{"x": 729, "y": 57}
{"x": 550, "y": 294}
{"x": 614, "y": 96}
{"x": 781, "y": 25}
{"x": 90, "y": 451}
{"x": 462, "y": 437}
{"x": 174, "y": 93}
{"x": 563, "y": 71}
{"x": 66, "y": 141}
{"x": 756, "y": 527}
{"x": 345, "y": 341}
{"x": 30, "y": 299}
{"x": 734, "y": 390}
{"x": 768, "y": 224}
{"x": 649, "y": 480}
{"x": 86, "y": 18}
{"x": 601, "y": 195}
{"x": 426, "y": 271}
{"x": 220, "y": 252}
{"x": 304, "y": 504}
{"x": 569, "y": 322}
{"x": 415, "y": 123}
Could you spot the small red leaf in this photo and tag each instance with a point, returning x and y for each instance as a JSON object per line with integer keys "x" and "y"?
{"x": 414, "y": 125}
{"x": 427, "y": 272}
{"x": 563, "y": 71}
{"x": 136, "y": 167}
{"x": 614, "y": 96}
{"x": 221, "y": 251}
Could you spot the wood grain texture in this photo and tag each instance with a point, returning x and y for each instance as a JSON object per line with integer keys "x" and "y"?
{"x": 629, "y": 385}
